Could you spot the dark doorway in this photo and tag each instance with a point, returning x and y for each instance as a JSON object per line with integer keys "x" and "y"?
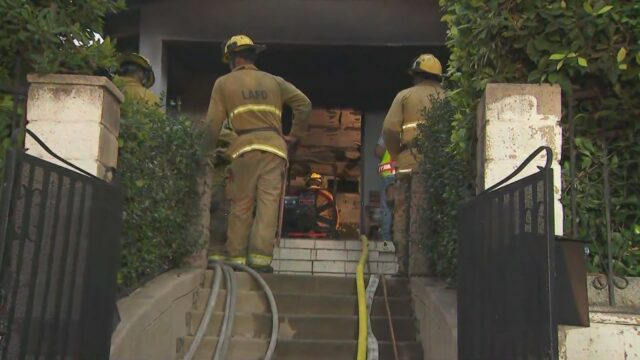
{"x": 360, "y": 77}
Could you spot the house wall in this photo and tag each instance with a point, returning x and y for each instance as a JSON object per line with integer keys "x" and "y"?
{"x": 353, "y": 22}
{"x": 370, "y": 179}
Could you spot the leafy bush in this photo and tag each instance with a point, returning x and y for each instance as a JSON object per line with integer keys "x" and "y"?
{"x": 448, "y": 183}
{"x": 55, "y": 36}
{"x": 6, "y": 114}
{"x": 158, "y": 161}
{"x": 591, "y": 48}
{"x": 48, "y": 37}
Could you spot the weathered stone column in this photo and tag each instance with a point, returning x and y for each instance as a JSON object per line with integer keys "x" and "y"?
{"x": 513, "y": 121}
{"x": 78, "y": 117}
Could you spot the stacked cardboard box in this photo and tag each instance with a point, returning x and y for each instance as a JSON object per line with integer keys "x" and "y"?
{"x": 349, "y": 214}
{"x": 332, "y": 144}
{"x": 331, "y": 147}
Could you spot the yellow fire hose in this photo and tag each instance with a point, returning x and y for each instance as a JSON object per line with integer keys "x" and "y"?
{"x": 362, "y": 301}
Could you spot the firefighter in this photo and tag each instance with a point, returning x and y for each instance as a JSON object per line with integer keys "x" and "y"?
{"x": 326, "y": 211}
{"x": 399, "y": 130}
{"x": 387, "y": 171}
{"x": 136, "y": 76}
{"x": 251, "y": 100}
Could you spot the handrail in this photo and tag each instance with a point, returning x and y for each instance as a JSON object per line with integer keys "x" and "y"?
{"x": 524, "y": 164}
{"x": 362, "y": 301}
{"x": 58, "y": 157}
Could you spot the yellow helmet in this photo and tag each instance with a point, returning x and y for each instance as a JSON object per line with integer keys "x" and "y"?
{"x": 426, "y": 63}
{"x": 237, "y": 43}
{"x": 315, "y": 179}
{"x": 143, "y": 62}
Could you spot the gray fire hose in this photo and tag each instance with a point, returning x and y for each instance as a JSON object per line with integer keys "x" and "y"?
{"x": 226, "y": 330}
{"x": 275, "y": 323}
{"x": 215, "y": 289}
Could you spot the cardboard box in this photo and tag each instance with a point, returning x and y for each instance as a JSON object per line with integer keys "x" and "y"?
{"x": 325, "y": 154}
{"x": 350, "y": 119}
{"x": 325, "y": 118}
{"x": 348, "y": 138}
{"x": 348, "y": 207}
{"x": 328, "y": 169}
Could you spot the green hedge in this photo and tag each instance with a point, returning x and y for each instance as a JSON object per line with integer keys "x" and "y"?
{"x": 55, "y": 36}
{"x": 158, "y": 161}
{"x": 6, "y": 114}
{"x": 448, "y": 183}
{"x": 591, "y": 48}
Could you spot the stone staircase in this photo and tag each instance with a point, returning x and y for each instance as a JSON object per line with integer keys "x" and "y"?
{"x": 318, "y": 319}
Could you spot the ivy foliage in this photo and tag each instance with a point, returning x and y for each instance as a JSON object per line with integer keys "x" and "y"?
{"x": 6, "y": 116}
{"x": 591, "y": 48}
{"x": 158, "y": 160}
{"x": 55, "y": 36}
{"x": 448, "y": 182}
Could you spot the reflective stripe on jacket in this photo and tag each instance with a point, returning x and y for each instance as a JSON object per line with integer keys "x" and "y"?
{"x": 386, "y": 167}
{"x": 406, "y": 112}
{"x": 252, "y": 102}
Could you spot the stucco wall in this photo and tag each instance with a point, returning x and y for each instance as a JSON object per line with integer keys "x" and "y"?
{"x": 435, "y": 307}
{"x": 513, "y": 121}
{"x": 78, "y": 117}
{"x": 355, "y": 22}
{"x": 154, "y": 316}
{"x": 370, "y": 178}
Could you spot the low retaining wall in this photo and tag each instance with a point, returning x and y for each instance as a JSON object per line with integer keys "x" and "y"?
{"x": 153, "y": 317}
{"x": 611, "y": 336}
{"x": 436, "y": 310}
{"x": 614, "y": 332}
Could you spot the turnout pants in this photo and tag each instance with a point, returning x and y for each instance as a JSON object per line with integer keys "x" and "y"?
{"x": 410, "y": 198}
{"x": 255, "y": 184}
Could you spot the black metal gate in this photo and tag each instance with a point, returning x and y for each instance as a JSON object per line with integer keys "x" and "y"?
{"x": 506, "y": 307}
{"x": 59, "y": 252}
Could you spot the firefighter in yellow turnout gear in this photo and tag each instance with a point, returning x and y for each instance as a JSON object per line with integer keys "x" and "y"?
{"x": 399, "y": 130}
{"x": 251, "y": 100}
{"x": 327, "y": 212}
{"x": 136, "y": 76}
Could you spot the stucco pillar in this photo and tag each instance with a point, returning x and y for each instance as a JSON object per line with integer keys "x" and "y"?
{"x": 78, "y": 117}
{"x": 513, "y": 121}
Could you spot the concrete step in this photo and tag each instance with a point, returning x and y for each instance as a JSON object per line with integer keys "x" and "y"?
{"x": 300, "y": 304}
{"x": 307, "y": 284}
{"x": 287, "y": 349}
{"x": 323, "y": 327}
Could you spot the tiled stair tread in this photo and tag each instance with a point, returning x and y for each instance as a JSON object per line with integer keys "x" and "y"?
{"x": 295, "y": 303}
{"x": 327, "y": 327}
{"x": 318, "y": 318}
{"x": 290, "y": 349}
{"x": 305, "y": 284}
